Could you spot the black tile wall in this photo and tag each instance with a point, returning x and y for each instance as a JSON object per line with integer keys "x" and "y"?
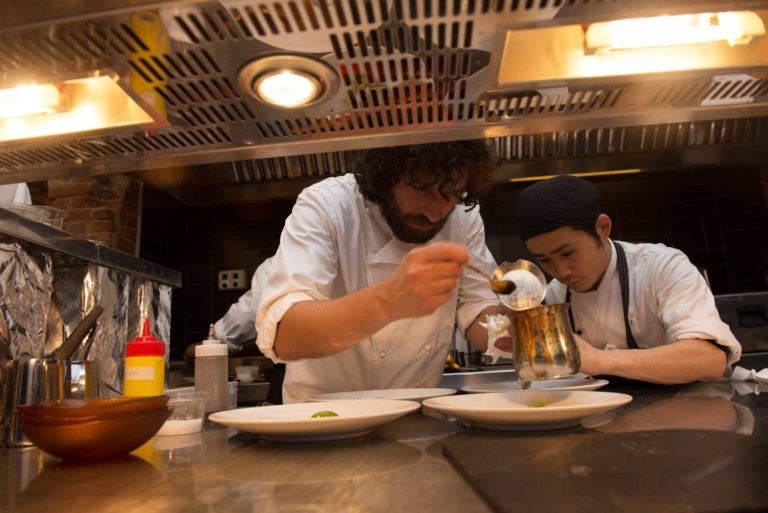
{"x": 199, "y": 242}
{"x": 717, "y": 216}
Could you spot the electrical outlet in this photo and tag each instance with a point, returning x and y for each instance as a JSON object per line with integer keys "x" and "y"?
{"x": 232, "y": 279}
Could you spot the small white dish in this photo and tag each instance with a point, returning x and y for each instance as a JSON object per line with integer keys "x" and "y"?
{"x": 543, "y": 384}
{"x": 294, "y": 422}
{"x": 402, "y": 394}
{"x": 517, "y": 410}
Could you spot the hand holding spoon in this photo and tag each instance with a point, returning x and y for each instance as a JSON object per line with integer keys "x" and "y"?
{"x": 503, "y": 287}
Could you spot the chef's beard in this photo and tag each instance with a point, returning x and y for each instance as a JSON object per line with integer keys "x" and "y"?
{"x": 399, "y": 222}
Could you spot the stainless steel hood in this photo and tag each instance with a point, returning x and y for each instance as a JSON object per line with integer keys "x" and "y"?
{"x": 409, "y": 71}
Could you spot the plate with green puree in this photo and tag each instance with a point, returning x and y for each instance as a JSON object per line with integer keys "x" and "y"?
{"x": 311, "y": 422}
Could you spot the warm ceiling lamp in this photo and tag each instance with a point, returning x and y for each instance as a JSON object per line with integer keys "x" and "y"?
{"x": 585, "y": 174}
{"x": 287, "y": 88}
{"x": 288, "y": 81}
{"x": 86, "y": 104}
{"x": 28, "y": 100}
{"x": 736, "y": 28}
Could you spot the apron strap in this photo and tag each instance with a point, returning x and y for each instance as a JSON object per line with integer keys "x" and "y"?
{"x": 623, "y": 269}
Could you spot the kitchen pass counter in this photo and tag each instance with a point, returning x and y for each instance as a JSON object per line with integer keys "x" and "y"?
{"x": 700, "y": 447}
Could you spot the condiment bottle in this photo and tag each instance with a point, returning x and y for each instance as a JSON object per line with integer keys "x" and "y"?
{"x": 211, "y": 371}
{"x": 144, "y": 365}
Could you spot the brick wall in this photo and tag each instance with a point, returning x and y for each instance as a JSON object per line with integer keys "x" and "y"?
{"x": 103, "y": 208}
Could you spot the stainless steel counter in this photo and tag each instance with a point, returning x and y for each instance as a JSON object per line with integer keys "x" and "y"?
{"x": 400, "y": 467}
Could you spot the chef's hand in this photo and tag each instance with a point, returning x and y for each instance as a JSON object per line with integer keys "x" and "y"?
{"x": 425, "y": 279}
{"x": 505, "y": 344}
{"x": 590, "y": 356}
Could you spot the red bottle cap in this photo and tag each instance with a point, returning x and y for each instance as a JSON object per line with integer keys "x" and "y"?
{"x": 146, "y": 344}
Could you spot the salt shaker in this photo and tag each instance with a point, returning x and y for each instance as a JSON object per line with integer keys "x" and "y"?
{"x": 211, "y": 370}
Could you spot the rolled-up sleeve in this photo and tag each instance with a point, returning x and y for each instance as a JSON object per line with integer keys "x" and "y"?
{"x": 687, "y": 308}
{"x": 303, "y": 269}
{"x": 474, "y": 293}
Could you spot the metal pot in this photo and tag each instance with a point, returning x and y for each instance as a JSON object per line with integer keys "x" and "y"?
{"x": 543, "y": 343}
{"x": 34, "y": 381}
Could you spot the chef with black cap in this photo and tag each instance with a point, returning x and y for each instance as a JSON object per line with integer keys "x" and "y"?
{"x": 639, "y": 311}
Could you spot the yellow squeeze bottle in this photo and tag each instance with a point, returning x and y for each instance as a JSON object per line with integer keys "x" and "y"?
{"x": 144, "y": 365}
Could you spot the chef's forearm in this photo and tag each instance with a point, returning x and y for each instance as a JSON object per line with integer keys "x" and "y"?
{"x": 315, "y": 329}
{"x": 681, "y": 362}
{"x": 476, "y": 334}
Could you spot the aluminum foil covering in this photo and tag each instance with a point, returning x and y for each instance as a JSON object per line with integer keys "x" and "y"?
{"x": 44, "y": 294}
{"x": 25, "y": 291}
{"x": 77, "y": 288}
{"x": 126, "y": 300}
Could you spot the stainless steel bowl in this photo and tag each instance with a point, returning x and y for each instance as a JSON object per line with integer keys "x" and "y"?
{"x": 33, "y": 381}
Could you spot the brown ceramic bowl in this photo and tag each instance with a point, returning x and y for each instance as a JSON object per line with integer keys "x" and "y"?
{"x": 96, "y": 407}
{"x": 56, "y": 420}
{"x": 98, "y": 439}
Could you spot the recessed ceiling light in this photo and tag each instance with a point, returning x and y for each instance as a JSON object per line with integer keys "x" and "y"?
{"x": 287, "y": 88}
{"x": 288, "y": 81}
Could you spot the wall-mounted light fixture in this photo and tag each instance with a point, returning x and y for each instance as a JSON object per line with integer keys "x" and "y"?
{"x": 288, "y": 81}
{"x": 735, "y": 28}
{"x": 85, "y": 104}
{"x": 585, "y": 174}
{"x": 28, "y": 100}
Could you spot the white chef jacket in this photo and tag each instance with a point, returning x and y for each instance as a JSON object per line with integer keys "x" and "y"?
{"x": 239, "y": 323}
{"x": 15, "y": 193}
{"x": 668, "y": 301}
{"x": 335, "y": 242}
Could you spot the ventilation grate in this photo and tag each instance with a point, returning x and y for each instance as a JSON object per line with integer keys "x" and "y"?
{"x": 261, "y": 19}
{"x": 411, "y": 39}
{"x": 575, "y": 143}
{"x": 556, "y": 102}
{"x": 89, "y": 46}
{"x": 362, "y": 119}
{"x": 728, "y": 89}
{"x": 605, "y": 141}
{"x": 90, "y": 150}
{"x": 318, "y": 164}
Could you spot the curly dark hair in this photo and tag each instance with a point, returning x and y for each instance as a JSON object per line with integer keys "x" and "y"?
{"x": 377, "y": 171}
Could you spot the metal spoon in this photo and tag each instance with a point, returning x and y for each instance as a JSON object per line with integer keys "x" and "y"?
{"x": 498, "y": 286}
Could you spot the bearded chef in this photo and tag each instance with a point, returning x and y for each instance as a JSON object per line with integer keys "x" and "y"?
{"x": 639, "y": 311}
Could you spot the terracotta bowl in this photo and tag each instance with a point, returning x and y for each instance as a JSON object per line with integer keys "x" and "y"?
{"x": 97, "y": 439}
{"x": 96, "y": 407}
{"x": 56, "y": 420}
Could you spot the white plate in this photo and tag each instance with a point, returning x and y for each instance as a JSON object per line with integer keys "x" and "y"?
{"x": 515, "y": 410}
{"x": 403, "y": 394}
{"x": 294, "y": 422}
{"x": 544, "y": 384}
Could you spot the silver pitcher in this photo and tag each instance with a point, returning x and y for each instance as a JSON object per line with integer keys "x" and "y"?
{"x": 34, "y": 381}
{"x": 544, "y": 347}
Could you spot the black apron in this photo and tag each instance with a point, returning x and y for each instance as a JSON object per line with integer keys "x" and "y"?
{"x": 623, "y": 269}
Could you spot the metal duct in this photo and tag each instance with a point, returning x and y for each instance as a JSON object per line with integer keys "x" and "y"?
{"x": 411, "y": 71}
